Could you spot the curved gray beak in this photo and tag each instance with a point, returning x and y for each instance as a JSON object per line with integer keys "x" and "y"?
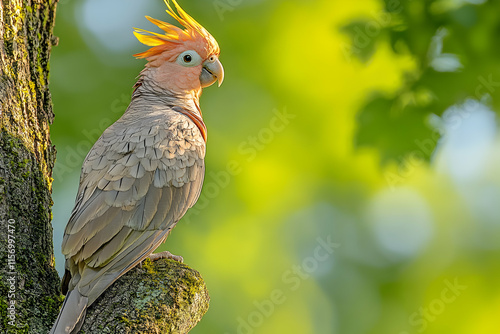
{"x": 211, "y": 72}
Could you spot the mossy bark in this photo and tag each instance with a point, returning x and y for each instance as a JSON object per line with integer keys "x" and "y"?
{"x": 161, "y": 297}
{"x": 29, "y": 296}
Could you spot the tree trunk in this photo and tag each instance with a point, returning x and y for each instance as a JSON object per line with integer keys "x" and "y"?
{"x": 29, "y": 282}
{"x": 165, "y": 297}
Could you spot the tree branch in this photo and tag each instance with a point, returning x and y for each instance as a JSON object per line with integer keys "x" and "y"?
{"x": 161, "y": 297}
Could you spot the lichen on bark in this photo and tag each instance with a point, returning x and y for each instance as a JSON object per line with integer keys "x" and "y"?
{"x": 161, "y": 297}
{"x": 26, "y": 161}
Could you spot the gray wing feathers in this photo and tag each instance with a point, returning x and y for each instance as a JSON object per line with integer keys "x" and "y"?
{"x": 72, "y": 314}
{"x": 146, "y": 209}
{"x": 136, "y": 184}
{"x": 107, "y": 234}
{"x": 125, "y": 261}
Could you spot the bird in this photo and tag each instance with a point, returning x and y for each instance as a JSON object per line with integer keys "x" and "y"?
{"x": 145, "y": 171}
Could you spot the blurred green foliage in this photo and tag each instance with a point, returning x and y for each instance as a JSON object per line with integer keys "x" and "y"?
{"x": 455, "y": 46}
{"x": 321, "y": 212}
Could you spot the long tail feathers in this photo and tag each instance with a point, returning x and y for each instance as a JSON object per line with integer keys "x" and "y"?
{"x": 72, "y": 314}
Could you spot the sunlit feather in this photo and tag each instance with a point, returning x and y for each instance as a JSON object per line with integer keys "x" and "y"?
{"x": 173, "y": 35}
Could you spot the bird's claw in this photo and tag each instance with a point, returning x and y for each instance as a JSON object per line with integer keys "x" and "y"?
{"x": 163, "y": 255}
{"x": 166, "y": 255}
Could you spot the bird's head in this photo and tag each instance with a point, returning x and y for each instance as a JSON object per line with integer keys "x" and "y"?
{"x": 180, "y": 60}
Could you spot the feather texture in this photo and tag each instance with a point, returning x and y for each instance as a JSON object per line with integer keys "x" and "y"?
{"x": 174, "y": 35}
{"x": 132, "y": 190}
{"x": 144, "y": 172}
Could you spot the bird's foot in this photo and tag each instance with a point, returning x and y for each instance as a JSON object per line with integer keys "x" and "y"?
{"x": 165, "y": 255}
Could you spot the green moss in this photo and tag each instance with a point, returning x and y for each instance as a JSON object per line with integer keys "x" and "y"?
{"x": 148, "y": 266}
{"x": 152, "y": 299}
{"x": 27, "y": 181}
{"x": 39, "y": 298}
{"x": 125, "y": 320}
{"x": 41, "y": 72}
{"x": 3, "y": 308}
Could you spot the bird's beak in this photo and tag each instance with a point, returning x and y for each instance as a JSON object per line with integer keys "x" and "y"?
{"x": 211, "y": 72}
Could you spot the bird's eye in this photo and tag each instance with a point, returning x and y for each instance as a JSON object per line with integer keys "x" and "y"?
{"x": 189, "y": 58}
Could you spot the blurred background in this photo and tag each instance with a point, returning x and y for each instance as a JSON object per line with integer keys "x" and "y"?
{"x": 352, "y": 180}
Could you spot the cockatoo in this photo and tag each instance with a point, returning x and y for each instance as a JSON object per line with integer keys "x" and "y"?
{"x": 145, "y": 171}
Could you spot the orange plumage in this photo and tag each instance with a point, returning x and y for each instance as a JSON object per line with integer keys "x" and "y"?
{"x": 173, "y": 36}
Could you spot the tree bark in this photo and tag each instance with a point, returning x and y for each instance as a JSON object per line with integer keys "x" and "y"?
{"x": 161, "y": 297}
{"x": 29, "y": 296}
{"x": 164, "y": 297}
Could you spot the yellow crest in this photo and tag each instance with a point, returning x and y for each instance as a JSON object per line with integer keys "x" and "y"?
{"x": 173, "y": 35}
